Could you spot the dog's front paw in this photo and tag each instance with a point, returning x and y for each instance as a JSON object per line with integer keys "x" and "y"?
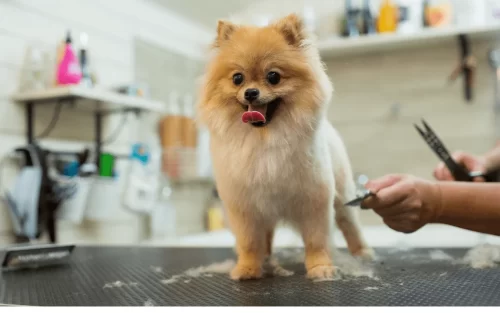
{"x": 322, "y": 272}
{"x": 246, "y": 272}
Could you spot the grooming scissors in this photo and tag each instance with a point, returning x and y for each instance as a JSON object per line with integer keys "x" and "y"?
{"x": 459, "y": 172}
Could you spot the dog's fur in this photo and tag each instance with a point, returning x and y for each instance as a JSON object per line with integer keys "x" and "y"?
{"x": 294, "y": 169}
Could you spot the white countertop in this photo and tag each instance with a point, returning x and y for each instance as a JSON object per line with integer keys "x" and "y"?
{"x": 377, "y": 236}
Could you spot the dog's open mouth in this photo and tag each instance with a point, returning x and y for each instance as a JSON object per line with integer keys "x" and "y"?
{"x": 260, "y": 115}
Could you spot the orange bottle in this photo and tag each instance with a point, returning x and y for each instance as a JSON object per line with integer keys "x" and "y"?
{"x": 387, "y": 21}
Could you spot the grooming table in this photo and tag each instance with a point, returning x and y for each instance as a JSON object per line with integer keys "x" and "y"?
{"x": 129, "y": 276}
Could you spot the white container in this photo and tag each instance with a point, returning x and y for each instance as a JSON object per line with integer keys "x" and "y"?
{"x": 163, "y": 220}
{"x": 204, "y": 161}
{"x": 104, "y": 199}
{"x": 412, "y": 17}
{"x": 73, "y": 209}
{"x": 139, "y": 194}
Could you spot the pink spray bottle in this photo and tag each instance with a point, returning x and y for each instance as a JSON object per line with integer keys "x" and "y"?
{"x": 69, "y": 71}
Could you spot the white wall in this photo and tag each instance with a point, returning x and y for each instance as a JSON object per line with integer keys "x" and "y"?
{"x": 112, "y": 26}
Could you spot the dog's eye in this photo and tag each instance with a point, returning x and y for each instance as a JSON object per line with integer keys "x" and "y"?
{"x": 273, "y": 78}
{"x": 237, "y": 78}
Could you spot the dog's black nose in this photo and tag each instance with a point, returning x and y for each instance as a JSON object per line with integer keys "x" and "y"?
{"x": 251, "y": 94}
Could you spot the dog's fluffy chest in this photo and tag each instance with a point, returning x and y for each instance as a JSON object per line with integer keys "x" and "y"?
{"x": 275, "y": 181}
{"x": 280, "y": 180}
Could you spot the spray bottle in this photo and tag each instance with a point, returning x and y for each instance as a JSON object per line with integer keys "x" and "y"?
{"x": 69, "y": 71}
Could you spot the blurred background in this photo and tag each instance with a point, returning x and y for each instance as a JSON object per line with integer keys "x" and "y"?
{"x": 97, "y": 104}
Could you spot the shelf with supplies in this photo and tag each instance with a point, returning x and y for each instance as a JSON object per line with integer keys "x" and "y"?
{"x": 100, "y": 102}
{"x": 105, "y": 98}
{"x": 365, "y": 44}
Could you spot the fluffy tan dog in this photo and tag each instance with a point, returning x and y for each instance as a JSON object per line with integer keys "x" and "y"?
{"x": 276, "y": 157}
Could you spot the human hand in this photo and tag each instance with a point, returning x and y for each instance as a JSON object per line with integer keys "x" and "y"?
{"x": 405, "y": 203}
{"x": 471, "y": 162}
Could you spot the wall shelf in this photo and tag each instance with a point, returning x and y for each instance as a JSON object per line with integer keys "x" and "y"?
{"x": 106, "y": 98}
{"x": 338, "y": 46}
{"x": 99, "y": 102}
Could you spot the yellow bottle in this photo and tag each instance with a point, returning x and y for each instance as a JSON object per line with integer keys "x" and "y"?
{"x": 215, "y": 214}
{"x": 387, "y": 21}
{"x": 215, "y": 219}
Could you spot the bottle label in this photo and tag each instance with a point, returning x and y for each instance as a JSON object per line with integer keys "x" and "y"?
{"x": 74, "y": 68}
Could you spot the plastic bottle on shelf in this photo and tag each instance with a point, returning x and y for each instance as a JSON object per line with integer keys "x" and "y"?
{"x": 33, "y": 74}
{"x": 69, "y": 71}
{"x": 387, "y": 21}
{"x": 438, "y": 13}
{"x": 215, "y": 219}
{"x": 350, "y": 21}
{"x": 84, "y": 61}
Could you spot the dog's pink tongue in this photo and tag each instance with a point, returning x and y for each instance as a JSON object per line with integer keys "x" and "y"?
{"x": 253, "y": 116}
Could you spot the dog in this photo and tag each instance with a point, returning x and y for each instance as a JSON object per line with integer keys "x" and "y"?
{"x": 276, "y": 158}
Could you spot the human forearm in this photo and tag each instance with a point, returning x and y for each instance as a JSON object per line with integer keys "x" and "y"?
{"x": 471, "y": 206}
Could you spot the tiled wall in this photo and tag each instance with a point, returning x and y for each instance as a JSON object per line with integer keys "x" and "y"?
{"x": 112, "y": 26}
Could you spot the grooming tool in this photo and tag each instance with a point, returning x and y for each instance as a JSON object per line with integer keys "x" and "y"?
{"x": 456, "y": 170}
{"x": 359, "y": 199}
{"x": 25, "y": 257}
{"x": 362, "y": 192}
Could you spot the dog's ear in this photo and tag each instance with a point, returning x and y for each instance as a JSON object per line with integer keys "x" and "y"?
{"x": 292, "y": 28}
{"x": 224, "y": 31}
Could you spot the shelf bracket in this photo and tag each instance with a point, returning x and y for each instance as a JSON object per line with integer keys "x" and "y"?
{"x": 98, "y": 120}
{"x": 466, "y": 67}
{"x": 30, "y": 123}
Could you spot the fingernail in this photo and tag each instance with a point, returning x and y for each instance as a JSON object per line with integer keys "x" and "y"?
{"x": 363, "y": 206}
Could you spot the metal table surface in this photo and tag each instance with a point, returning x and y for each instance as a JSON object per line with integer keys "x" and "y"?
{"x": 135, "y": 276}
